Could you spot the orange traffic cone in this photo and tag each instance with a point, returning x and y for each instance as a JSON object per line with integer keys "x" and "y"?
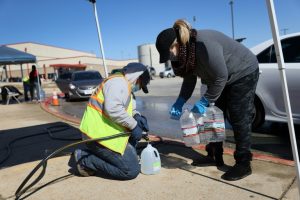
{"x": 55, "y": 101}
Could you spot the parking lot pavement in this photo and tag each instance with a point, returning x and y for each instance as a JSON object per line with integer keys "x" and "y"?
{"x": 178, "y": 179}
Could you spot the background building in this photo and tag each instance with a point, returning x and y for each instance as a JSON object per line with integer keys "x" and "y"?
{"x": 47, "y": 55}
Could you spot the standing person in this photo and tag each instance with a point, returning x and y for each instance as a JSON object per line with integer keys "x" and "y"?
{"x": 112, "y": 110}
{"x": 229, "y": 70}
{"x": 26, "y": 87}
{"x": 34, "y": 83}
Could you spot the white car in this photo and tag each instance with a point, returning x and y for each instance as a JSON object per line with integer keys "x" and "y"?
{"x": 167, "y": 73}
{"x": 269, "y": 101}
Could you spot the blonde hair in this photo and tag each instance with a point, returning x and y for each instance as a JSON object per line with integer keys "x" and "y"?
{"x": 183, "y": 28}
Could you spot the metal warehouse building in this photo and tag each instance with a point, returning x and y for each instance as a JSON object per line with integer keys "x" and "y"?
{"x": 47, "y": 55}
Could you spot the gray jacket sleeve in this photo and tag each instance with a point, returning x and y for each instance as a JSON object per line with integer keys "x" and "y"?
{"x": 217, "y": 71}
{"x": 116, "y": 94}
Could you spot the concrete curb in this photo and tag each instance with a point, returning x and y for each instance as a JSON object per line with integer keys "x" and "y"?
{"x": 46, "y": 105}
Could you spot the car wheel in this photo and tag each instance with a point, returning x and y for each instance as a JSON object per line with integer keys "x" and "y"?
{"x": 67, "y": 97}
{"x": 258, "y": 117}
{"x": 152, "y": 72}
{"x": 169, "y": 75}
{"x": 258, "y": 114}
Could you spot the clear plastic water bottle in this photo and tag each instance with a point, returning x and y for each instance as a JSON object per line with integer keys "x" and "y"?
{"x": 150, "y": 160}
{"x": 189, "y": 128}
{"x": 214, "y": 126}
{"x": 200, "y": 127}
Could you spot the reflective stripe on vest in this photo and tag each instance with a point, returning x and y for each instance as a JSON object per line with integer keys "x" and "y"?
{"x": 96, "y": 123}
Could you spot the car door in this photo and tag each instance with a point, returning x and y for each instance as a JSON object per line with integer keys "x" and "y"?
{"x": 269, "y": 86}
{"x": 63, "y": 82}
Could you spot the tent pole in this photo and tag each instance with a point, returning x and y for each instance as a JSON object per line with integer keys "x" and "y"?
{"x": 6, "y": 74}
{"x": 22, "y": 75}
{"x": 281, "y": 68}
{"x": 99, "y": 37}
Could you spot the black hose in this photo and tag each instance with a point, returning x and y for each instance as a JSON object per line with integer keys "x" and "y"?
{"x": 20, "y": 191}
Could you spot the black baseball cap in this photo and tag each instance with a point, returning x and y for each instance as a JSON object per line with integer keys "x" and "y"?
{"x": 144, "y": 77}
{"x": 164, "y": 41}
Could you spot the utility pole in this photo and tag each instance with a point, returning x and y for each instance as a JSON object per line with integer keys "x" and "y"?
{"x": 284, "y": 30}
{"x": 194, "y": 21}
{"x": 99, "y": 37}
{"x": 232, "y": 21}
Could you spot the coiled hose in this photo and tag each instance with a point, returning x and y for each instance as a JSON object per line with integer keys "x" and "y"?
{"x": 43, "y": 163}
{"x": 22, "y": 189}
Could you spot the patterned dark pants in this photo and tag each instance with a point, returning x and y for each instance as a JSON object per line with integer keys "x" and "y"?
{"x": 238, "y": 100}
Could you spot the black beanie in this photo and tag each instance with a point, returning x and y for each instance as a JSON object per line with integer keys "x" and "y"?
{"x": 163, "y": 42}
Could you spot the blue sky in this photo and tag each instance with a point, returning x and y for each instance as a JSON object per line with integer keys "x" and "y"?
{"x": 125, "y": 24}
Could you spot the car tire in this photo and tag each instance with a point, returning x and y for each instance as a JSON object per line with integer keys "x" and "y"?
{"x": 169, "y": 76}
{"x": 67, "y": 97}
{"x": 152, "y": 72}
{"x": 258, "y": 116}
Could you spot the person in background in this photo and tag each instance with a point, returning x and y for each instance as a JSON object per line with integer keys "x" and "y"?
{"x": 230, "y": 72}
{"x": 35, "y": 83}
{"x": 112, "y": 110}
{"x": 26, "y": 87}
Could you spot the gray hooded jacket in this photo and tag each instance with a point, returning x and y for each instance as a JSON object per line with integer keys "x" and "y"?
{"x": 220, "y": 61}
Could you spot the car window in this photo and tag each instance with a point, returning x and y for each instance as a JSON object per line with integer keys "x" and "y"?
{"x": 65, "y": 76}
{"x": 290, "y": 49}
{"x": 86, "y": 76}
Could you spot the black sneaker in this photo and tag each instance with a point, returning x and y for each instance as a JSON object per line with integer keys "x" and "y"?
{"x": 237, "y": 172}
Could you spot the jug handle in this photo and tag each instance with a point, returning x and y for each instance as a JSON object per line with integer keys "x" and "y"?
{"x": 156, "y": 153}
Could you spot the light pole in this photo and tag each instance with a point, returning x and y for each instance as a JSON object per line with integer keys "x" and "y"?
{"x": 284, "y": 30}
{"x": 99, "y": 36}
{"x": 232, "y": 21}
{"x": 194, "y": 21}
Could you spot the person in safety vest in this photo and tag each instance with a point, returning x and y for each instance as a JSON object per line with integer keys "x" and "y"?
{"x": 26, "y": 87}
{"x": 112, "y": 110}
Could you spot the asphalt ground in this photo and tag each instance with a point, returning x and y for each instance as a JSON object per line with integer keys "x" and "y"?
{"x": 273, "y": 176}
{"x": 269, "y": 140}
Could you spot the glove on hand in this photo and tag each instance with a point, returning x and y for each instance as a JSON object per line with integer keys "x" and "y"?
{"x": 176, "y": 109}
{"x": 142, "y": 122}
{"x": 200, "y": 106}
{"x": 137, "y": 133}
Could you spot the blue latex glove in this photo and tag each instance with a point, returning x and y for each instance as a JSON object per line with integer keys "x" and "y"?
{"x": 176, "y": 109}
{"x": 142, "y": 122}
{"x": 200, "y": 106}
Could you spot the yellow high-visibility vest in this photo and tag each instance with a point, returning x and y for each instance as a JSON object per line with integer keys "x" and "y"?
{"x": 96, "y": 123}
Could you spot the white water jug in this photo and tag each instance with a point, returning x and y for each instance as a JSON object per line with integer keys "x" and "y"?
{"x": 150, "y": 160}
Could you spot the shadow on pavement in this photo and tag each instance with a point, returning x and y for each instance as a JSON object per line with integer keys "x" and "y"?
{"x": 174, "y": 155}
{"x": 33, "y": 143}
{"x": 271, "y": 138}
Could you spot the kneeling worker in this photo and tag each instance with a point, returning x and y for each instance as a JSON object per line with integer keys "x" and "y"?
{"x": 112, "y": 110}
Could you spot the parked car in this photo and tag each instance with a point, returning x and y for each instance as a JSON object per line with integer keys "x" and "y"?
{"x": 79, "y": 84}
{"x": 152, "y": 71}
{"x": 167, "y": 73}
{"x": 269, "y": 100}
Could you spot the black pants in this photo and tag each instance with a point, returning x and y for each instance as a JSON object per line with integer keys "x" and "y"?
{"x": 238, "y": 100}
